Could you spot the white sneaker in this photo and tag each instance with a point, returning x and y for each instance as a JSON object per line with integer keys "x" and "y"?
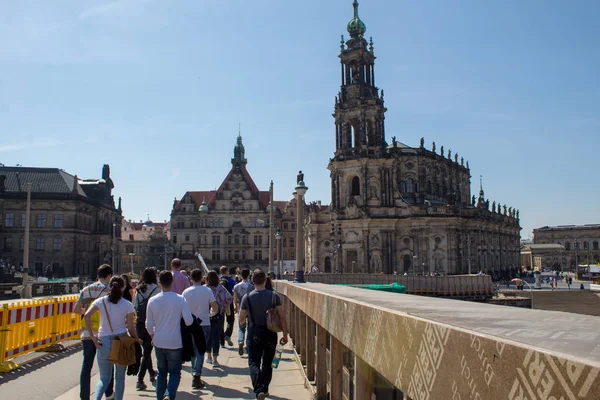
{"x": 209, "y": 359}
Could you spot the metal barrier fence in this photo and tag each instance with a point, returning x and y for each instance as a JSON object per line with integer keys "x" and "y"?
{"x": 32, "y": 325}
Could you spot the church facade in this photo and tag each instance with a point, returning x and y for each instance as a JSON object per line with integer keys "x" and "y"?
{"x": 397, "y": 208}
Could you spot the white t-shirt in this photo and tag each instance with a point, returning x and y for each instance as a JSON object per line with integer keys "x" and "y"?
{"x": 118, "y": 312}
{"x": 199, "y": 299}
{"x": 163, "y": 317}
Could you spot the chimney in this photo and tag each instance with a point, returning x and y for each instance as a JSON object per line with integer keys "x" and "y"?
{"x": 2, "y": 183}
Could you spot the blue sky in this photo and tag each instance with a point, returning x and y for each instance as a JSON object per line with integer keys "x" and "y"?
{"x": 157, "y": 88}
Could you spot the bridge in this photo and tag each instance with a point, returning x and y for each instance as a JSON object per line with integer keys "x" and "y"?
{"x": 353, "y": 343}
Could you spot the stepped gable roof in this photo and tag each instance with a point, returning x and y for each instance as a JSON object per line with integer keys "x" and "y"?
{"x": 43, "y": 180}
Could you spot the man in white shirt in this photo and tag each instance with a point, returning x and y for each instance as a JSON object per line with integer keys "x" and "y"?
{"x": 163, "y": 316}
{"x": 200, "y": 300}
{"x": 239, "y": 291}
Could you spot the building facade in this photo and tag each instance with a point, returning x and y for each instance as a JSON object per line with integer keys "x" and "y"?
{"x": 74, "y": 223}
{"x": 581, "y": 242}
{"x": 397, "y": 208}
{"x": 145, "y": 244}
{"x": 230, "y": 225}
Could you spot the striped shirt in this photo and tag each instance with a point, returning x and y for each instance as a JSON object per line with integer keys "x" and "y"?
{"x": 86, "y": 297}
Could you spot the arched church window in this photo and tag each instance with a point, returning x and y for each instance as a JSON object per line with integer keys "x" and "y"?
{"x": 567, "y": 246}
{"x": 229, "y": 239}
{"x": 355, "y": 186}
{"x": 595, "y": 245}
{"x": 236, "y": 239}
{"x": 410, "y": 185}
{"x": 585, "y": 245}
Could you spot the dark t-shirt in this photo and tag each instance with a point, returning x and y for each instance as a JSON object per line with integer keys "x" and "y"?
{"x": 260, "y": 301}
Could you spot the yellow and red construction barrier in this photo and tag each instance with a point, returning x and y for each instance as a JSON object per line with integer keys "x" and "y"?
{"x": 32, "y": 325}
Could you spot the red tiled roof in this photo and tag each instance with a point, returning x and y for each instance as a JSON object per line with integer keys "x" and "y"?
{"x": 210, "y": 196}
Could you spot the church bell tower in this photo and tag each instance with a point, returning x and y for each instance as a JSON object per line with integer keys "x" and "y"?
{"x": 359, "y": 110}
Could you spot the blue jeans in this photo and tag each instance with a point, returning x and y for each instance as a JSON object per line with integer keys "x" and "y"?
{"x": 216, "y": 327}
{"x": 241, "y": 334}
{"x": 89, "y": 353}
{"x": 198, "y": 360}
{"x": 106, "y": 371}
{"x": 168, "y": 362}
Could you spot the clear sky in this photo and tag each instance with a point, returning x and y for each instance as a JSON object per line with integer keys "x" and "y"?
{"x": 156, "y": 89}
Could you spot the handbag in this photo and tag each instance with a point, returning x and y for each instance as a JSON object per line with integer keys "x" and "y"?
{"x": 273, "y": 320}
{"x": 122, "y": 350}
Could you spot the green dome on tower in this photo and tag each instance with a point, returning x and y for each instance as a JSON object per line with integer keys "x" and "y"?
{"x": 356, "y": 28}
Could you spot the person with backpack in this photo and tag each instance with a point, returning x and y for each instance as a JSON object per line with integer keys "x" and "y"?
{"x": 146, "y": 289}
{"x": 224, "y": 300}
{"x": 87, "y": 296}
{"x": 261, "y": 341}
{"x": 228, "y": 283}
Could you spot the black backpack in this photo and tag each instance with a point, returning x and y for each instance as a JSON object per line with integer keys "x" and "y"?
{"x": 225, "y": 283}
{"x": 142, "y": 306}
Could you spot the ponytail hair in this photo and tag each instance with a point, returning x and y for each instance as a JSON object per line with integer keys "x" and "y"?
{"x": 116, "y": 286}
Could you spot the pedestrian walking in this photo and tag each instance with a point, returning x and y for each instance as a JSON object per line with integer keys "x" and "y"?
{"x": 228, "y": 282}
{"x": 200, "y": 300}
{"x": 116, "y": 319}
{"x": 146, "y": 289}
{"x": 239, "y": 291}
{"x": 163, "y": 322}
{"x": 128, "y": 290}
{"x": 87, "y": 296}
{"x": 224, "y": 300}
{"x": 261, "y": 342}
{"x": 180, "y": 281}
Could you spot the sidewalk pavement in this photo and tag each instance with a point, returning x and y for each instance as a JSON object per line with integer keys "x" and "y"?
{"x": 230, "y": 380}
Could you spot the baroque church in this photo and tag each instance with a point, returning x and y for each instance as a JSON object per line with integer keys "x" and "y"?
{"x": 396, "y": 208}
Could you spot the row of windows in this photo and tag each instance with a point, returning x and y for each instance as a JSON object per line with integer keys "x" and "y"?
{"x": 236, "y": 255}
{"x": 40, "y": 244}
{"x": 586, "y": 245}
{"x": 231, "y": 239}
{"x": 205, "y": 223}
{"x": 41, "y": 220}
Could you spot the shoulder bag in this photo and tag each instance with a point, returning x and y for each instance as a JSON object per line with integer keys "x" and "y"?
{"x": 122, "y": 350}
{"x": 273, "y": 320}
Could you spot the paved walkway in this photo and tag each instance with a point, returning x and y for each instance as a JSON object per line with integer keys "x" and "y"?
{"x": 230, "y": 380}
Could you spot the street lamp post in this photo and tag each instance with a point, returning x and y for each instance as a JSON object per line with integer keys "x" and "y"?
{"x": 300, "y": 192}
{"x": 278, "y": 237}
{"x": 270, "y": 210}
{"x": 131, "y": 255}
{"x": 469, "y": 253}
{"x": 26, "y": 293}
{"x": 114, "y": 234}
{"x": 576, "y": 260}
{"x": 415, "y": 265}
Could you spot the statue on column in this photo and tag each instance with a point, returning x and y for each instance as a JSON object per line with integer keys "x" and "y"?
{"x": 473, "y": 200}
{"x": 300, "y": 177}
{"x": 422, "y": 142}
{"x": 456, "y": 158}
{"x": 449, "y": 154}
{"x": 442, "y": 151}
{"x": 462, "y": 161}
{"x": 433, "y": 147}
{"x": 394, "y": 141}
{"x": 494, "y": 206}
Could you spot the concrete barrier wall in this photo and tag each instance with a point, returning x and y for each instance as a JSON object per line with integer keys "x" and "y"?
{"x": 431, "y": 348}
{"x": 454, "y": 286}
